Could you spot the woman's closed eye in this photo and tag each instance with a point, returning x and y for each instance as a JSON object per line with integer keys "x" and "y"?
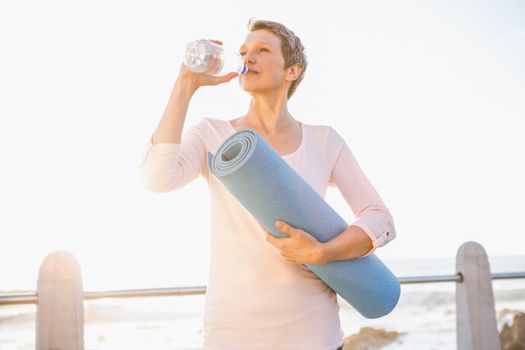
{"x": 262, "y": 49}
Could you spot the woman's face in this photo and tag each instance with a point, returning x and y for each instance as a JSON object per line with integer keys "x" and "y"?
{"x": 262, "y": 54}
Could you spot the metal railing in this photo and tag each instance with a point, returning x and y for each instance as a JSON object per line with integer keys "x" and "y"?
{"x": 32, "y": 298}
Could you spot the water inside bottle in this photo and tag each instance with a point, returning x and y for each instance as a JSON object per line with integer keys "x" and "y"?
{"x": 204, "y": 56}
{"x": 195, "y": 57}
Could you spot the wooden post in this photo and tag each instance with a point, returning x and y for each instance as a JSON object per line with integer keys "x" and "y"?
{"x": 476, "y": 325}
{"x": 60, "y": 307}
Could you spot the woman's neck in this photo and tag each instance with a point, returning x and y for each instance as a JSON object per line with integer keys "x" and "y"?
{"x": 268, "y": 114}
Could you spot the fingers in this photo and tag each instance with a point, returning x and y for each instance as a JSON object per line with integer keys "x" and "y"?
{"x": 277, "y": 242}
{"x": 226, "y": 78}
{"x": 291, "y": 260}
{"x": 214, "y": 66}
{"x": 216, "y": 80}
{"x": 271, "y": 238}
{"x": 284, "y": 227}
{"x": 281, "y": 226}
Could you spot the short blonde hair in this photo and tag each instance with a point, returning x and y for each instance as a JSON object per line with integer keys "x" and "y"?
{"x": 291, "y": 47}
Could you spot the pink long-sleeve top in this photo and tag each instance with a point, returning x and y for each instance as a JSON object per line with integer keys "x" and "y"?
{"x": 255, "y": 298}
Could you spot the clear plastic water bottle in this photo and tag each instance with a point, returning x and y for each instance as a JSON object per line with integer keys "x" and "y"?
{"x": 204, "y": 56}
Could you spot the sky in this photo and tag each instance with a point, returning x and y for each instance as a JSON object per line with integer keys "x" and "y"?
{"x": 429, "y": 96}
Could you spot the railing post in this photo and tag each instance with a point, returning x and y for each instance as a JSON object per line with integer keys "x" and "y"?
{"x": 476, "y": 325}
{"x": 60, "y": 307}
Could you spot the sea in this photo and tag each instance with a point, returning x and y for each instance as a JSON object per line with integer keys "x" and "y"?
{"x": 424, "y": 318}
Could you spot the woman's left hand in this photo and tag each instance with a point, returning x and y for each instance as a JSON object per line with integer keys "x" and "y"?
{"x": 300, "y": 247}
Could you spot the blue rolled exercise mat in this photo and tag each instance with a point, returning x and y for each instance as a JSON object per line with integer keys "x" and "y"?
{"x": 271, "y": 190}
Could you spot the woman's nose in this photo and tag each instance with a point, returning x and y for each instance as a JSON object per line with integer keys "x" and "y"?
{"x": 249, "y": 58}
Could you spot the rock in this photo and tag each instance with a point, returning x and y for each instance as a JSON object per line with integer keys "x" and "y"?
{"x": 513, "y": 336}
{"x": 369, "y": 338}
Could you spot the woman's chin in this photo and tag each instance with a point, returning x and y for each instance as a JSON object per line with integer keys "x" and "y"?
{"x": 250, "y": 88}
{"x": 253, "y": 87}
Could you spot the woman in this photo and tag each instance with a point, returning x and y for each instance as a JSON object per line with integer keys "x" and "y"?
{"x": 259, "y": 295}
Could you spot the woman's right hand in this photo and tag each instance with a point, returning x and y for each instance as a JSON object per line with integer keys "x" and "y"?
{"x": 197, "y": 80}
{"x": 169, "y": 129}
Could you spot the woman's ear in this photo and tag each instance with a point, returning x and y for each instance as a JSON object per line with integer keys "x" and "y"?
{"x": 293, "y": 72}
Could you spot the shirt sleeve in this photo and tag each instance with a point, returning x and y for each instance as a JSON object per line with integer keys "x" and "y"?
{"x": 369, "y": 210}
{"x": 168, "y": 166}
